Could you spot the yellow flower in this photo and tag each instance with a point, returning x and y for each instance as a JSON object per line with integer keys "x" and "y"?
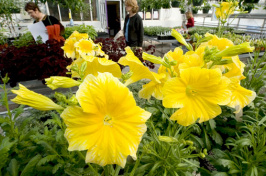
{"x": 55, "y": 82}
{"x": 108, "y": 124}
{"x": 225, "y": 9}
{"x": 69, "y": 49}
{"x": 181, "y": 39}
{"x": 154, "y": 88}
{"x": 95, "y": 65}
{"x": 85, "y": 47}
{"x": 235, "y": 69}
{"x": 235, "y": 50}
{"x": 78, "y": 36}
{"x": 220, "y": 43}
{"x": 138, "y": 69}
{"x": 198, "y": 92}
{"x": 35, "y": 100}
{"x": 191, "y": 59}
{"x": 241, "y": 97}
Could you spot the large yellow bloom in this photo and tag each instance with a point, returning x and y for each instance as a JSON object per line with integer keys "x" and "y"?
{"x": 138, "y": 69}
{"x": 35, "y": 100}
{"x": 108, "y": 124}
{"x": 241, "y": 97}
{"x": 198, "y": 92}
{"x": 55, "y": 82}
{"x": 154, "y": 88}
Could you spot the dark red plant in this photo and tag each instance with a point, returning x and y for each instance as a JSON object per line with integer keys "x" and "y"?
{"x": 38, "y": 61}
{"x": 116, "y": 50}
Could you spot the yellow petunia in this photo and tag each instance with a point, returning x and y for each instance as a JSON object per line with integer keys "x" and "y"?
{"x": 191, "y": 59}
{"x": 220, "y": 43}
{"x": 138, "y": 69}
{"x": 225, "y": 9}
{"x": 241, "y": 97}
{"x": 78, "y": 36}
{"x": 235, "y": 69}
{"x": 35, "y": 100}
{"x": 55, "y": 82}
{"x": 108, "y": 124}
{"x": 95, "y": 65}
{"x": 69, "y": 49}
{"x": 85, "y": 47}
{"x": 198, "y": 92}
{"x": 154, "y": 88}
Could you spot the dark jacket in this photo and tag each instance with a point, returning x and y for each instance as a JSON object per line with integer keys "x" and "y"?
{"x": 135, "y": 30}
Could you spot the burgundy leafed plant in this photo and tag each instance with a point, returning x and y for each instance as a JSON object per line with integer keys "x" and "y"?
{"x": 33, "y": 62}
{"x": 116, "y": 50}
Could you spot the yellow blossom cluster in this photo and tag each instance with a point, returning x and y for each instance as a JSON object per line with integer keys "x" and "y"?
{"x": 106, "y": 120}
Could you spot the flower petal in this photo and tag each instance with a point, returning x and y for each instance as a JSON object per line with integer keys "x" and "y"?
{"x": 35, "y": 100}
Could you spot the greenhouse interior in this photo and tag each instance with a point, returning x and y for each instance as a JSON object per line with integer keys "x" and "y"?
{"x": 133, "y": 88}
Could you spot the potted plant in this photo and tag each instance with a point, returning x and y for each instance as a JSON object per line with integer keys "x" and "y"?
{"x": 165, "y": 4}
{"x": 206, "y": 7}
{"x": 249, "y": 6}
{"x": 195, "y": 9}
{"x": 197, "y": 2}
{"x": 182, "y": 8}
{"x": 175, "y": 3}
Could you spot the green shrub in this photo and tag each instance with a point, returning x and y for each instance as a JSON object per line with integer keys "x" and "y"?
{"x": 24, "y": 40}
{"x": 81, "y": 29}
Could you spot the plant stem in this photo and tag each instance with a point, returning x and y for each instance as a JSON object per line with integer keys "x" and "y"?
{"x": 83, "y": 157}
{"x": 136, "y": 165}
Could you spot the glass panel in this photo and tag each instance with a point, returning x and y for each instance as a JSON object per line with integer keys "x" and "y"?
{"x": 53, "y": 10}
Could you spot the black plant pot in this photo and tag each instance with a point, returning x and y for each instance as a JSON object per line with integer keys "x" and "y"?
{"x": 197, "y": 2}
{"x": 248, "y": 9}
{"x": 205, "y": 10}
{"x": 175, "y": 4}
{"x": 194, "y": 11}
{"x": 251, "y": 1}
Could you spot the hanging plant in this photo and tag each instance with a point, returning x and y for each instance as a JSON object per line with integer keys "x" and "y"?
{"x": 175, "y": 3}
{"x": 197, "y": 2}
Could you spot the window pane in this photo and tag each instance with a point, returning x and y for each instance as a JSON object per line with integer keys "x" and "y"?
{"x": 53, "y": 10}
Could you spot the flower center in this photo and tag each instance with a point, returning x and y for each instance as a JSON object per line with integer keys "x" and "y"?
{"x": 108, "y": 120}
{"x": 190, "y": 91}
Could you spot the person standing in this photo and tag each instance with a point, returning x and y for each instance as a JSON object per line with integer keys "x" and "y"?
{"x": 54, "y": 28}
{"x": 133, "y": 26}
{"x": 190, "y": 19}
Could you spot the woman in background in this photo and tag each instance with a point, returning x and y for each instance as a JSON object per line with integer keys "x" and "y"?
{"x": 190, "y": 19}
{"x": 133, "y": 26}
{"x": 54, "y": 28}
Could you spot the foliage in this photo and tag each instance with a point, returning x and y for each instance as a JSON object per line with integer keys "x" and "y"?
{"x": 88, "y": 29}
{"x": 155, "y": 30}
{"x": 33, "y": 62}
{"x": 7, "y": 7}
{"x": 116, "y": 49}
{"x": 74, "y": 5}
{"x": 207, "y": 6}
{"x": 24, "y": 40}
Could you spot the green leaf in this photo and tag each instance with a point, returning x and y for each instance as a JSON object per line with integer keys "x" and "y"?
{"x": 216, "y": 137}
{"x": 220, "y": 174}
{"x": 262, "y": 121}
{"x": 212, "y": 124}
{"x": 56, "y": 167}
{"x": 31, "y": 165}
{"x": 47, "y": 159}
{"x": 13, "y": 167}
{"x": 71, "y": 173}
{"x": 48, "y": 147}
{"x": 226, "y": 163}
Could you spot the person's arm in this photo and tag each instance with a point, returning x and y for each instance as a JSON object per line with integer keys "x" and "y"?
{"x": 140, "y": 32}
